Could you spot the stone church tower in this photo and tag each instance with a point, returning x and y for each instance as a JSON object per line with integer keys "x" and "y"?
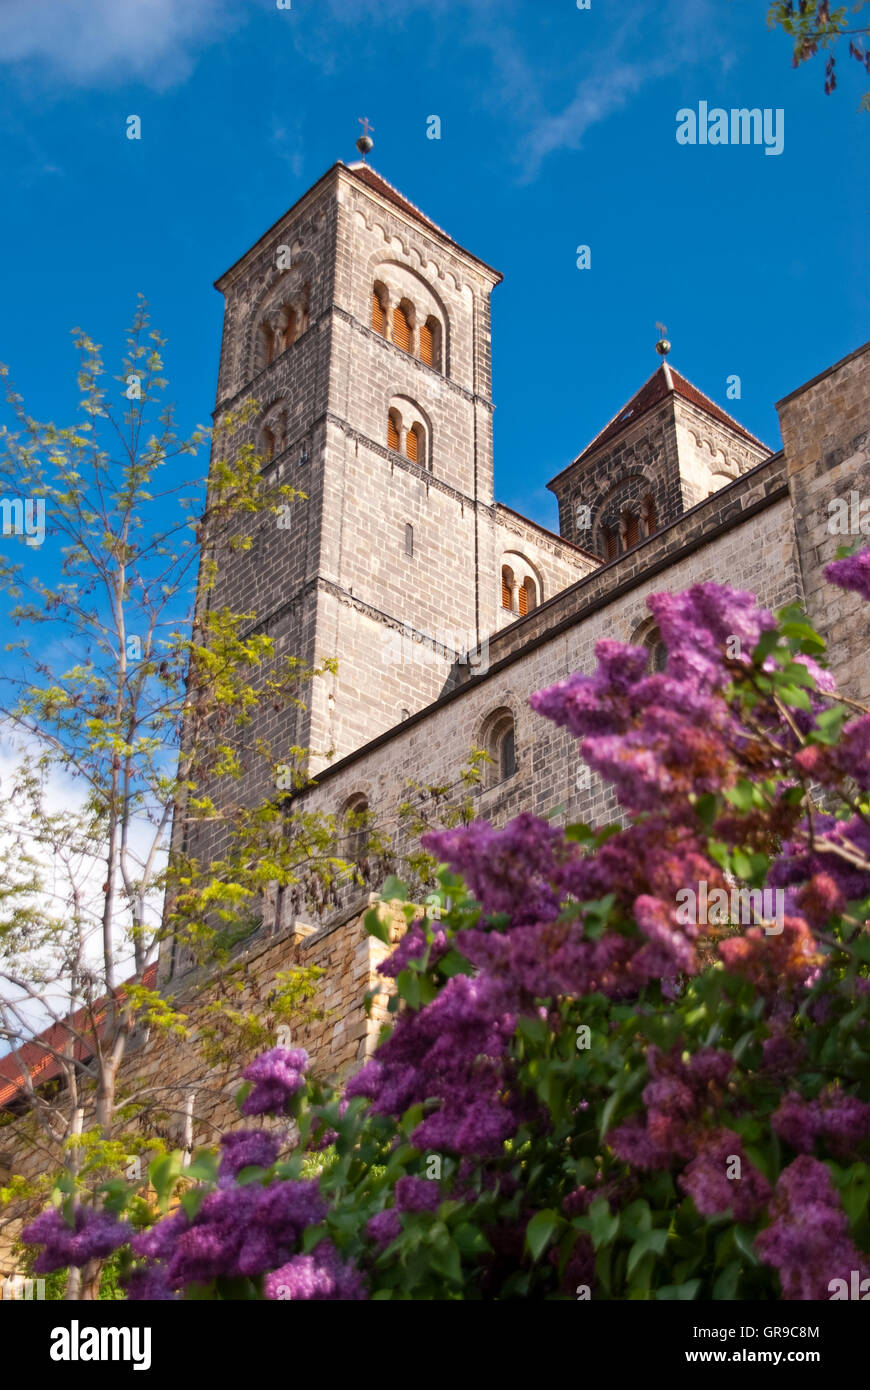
{"x": 363, "y": 333}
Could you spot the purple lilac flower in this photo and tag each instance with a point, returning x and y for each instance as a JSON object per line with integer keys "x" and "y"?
{"x": 807, "y": 1241}
{"x": 277, "y": 1075}
{"x": 417, "y": 1194}
{"x": 246, "y": 1148}
{"x": 508, "y": 871}
{"x": 706, "y": 1179}
{"x": 238, "y": 1231}
{"x": 841, "y": 1121}
{"x": 316, "y": 1277}
{"x": 852, "y": 573}
{"x": 782, "y": 1055}
{"x": 150, "y": 1284}
{"x": 696, "y": 627}
{"x": 413, "y": 947}
{"x": 384, "y": 1227}
{"x": 93, "y": 1235}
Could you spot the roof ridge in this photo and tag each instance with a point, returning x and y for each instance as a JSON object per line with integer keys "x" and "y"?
{"x": 626, "y": 405}
{"x": 716, "y": 407}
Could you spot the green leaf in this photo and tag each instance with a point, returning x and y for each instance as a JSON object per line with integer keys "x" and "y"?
{"x": 743, "y": 1239}
{"x": 163, "y": 1174}
{"x": 684, "y": 1292}
{"x": 603, "y": 1226}
{"x": 650, "y": 1241}
{"x": 540, "y": 1230}
{"x": 376, "y": 926}
{"x": 394, "y": 888}
{"x": 203, "y": 1168}
{"x": 192, "y": 1200}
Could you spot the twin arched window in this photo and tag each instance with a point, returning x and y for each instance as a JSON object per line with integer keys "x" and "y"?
{"x": 499, "y": 742}
{"x": 409, "y": 331}
{"x": 280, "y": 326}
{"x": 409, "y": 439}
{"x": 628, "y": 529}
{"x": 518, "y": 596}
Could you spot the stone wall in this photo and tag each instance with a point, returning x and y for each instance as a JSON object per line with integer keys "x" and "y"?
{"x": 826, "y": 433}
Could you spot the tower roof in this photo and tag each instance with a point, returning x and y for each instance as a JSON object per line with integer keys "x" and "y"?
{"x": 378, "y": 184}
{"x": 371, "y": 179}
{"x": 664, "y": 381}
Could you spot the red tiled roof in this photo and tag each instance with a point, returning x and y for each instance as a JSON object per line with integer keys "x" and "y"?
{"x": 373, "y": 180}
{"x": 38, "y": 1055}
{"x": 653, "y": 391}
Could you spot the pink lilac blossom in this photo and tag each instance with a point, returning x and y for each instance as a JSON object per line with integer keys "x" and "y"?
{"x": 317, "y": 1277}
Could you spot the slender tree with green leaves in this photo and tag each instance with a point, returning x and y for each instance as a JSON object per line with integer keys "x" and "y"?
{"x": 127, "y": 705}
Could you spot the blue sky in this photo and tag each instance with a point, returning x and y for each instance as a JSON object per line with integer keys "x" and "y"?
{"x": 558, "y": 128}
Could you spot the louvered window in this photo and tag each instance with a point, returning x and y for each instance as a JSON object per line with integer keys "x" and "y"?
{"x": 507, "y": 599}
{"x": 649, "y": 515}
{"x": 632, "y": 530}
{"x": 401, "y": 329}
{"x": 412, "y": 444}
{"x": 526, "y": 597}
{"x": 609, "y": 543}
{"x": 379, "y": 314}
{"x": 393, "y": 437}
{"x": 427, "y": 344}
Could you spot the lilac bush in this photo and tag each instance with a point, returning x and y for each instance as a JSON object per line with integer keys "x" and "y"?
{"x": 586, "y": 1091}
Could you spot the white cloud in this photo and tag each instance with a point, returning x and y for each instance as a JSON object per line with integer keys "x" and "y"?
{"x": 60, "y": 873}
{"x": 115, "y": 41}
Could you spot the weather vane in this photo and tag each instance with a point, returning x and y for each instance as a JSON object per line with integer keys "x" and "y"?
{"x": 365, "y": 141}
{"x": 663, "y": 347}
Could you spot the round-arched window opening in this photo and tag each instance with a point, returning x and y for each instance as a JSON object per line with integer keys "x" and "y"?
{"x": 356, "y": 818}
{"x": 499, "y": 742}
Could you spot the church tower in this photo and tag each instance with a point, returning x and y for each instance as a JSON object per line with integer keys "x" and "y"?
{"x": 666, "y": 450}
{"x": 362, "y": 330}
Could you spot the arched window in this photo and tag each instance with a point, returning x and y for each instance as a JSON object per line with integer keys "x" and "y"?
{"x": 430, "y": 342}
{"x": 631, "y": 528}
{"x": 280, "y": 327}
{"x": 649, "y": 636}
{"x": 403, "y": 331}
{"x": 409, "y": 538}
{"x": 264, "y": 347}
{"x": 609, "y": 543}
{"x": 499, "y": 742}
{"x": 507, "y": 588}
{"x": 650, "y": 521}
{"x": 527, "y": 596}
{"x": 415, "y": 444}
{"x": 356, "y": 818}
{"x": 379, "y": 310}
{"x": 394, "y": 430}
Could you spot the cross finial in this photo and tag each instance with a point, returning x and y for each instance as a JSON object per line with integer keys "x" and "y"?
{"x": 663, "y": 347}
{"x": 365, "y": 141}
